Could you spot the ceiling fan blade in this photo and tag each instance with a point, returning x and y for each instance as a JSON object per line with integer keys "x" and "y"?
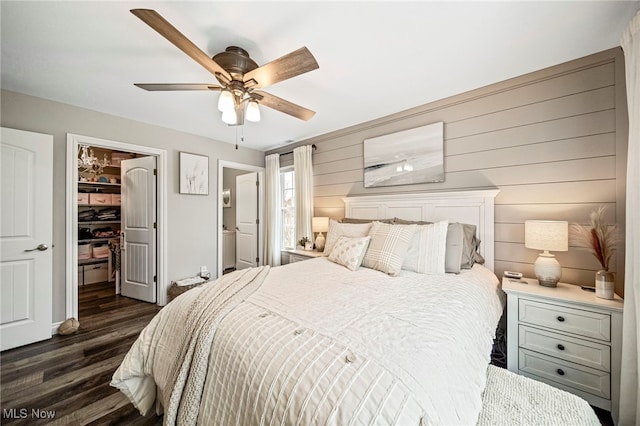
{"x": 154, "y": 87}
{"x": 290, "y": 65}
{"x": 168, "y": 31}
{"x": 281, "y": 105}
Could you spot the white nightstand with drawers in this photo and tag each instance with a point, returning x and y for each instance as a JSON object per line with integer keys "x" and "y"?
{"x": 299, "y": 255}
{"x": 566, "y": 337}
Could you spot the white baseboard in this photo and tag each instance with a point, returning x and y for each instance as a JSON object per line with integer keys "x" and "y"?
{"x": 54, "y": 327}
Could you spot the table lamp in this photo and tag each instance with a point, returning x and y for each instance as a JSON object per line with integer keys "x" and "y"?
{"x": 547, "y": 235}
{"x": 320, "y": 225}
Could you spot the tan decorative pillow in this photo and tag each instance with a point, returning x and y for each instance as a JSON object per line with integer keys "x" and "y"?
{"x": 426, "y": 253}
{"x": 337, "y": 230}
{"x": 349, "y": 251}
{"x": 355, "y": 220}
{"x": 388, "y": 247}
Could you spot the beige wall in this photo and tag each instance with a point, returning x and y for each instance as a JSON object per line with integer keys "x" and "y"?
{"x": 554, "y": 143}
{"x": 192, "y": 220}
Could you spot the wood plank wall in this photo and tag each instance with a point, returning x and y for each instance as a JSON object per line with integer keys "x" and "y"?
{"x": 553, "y": 141}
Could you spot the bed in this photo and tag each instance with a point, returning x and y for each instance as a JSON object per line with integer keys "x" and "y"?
{"x": 323, "y": 342}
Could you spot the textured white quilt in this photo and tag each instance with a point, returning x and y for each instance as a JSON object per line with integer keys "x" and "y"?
{"x": 319, "y": 344}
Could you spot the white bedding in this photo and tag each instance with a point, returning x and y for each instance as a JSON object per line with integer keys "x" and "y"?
{"x": 319, "y": 344}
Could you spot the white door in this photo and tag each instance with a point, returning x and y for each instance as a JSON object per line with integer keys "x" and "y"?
{"x": 26, "y": 237}
{"x": 138, "y": 256}
{"x": 247, "y": 221}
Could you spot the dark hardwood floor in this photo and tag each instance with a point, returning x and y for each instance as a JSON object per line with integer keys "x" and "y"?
{"x": 67, "y": 377}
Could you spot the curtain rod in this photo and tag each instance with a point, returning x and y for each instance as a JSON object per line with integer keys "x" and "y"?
{"x": 291, "y": 152}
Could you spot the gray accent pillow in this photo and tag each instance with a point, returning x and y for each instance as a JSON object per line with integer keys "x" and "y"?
{"x": 462, "y": 246}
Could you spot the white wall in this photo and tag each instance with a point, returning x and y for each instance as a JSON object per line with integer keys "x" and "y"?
{"x": 192, "y": 219}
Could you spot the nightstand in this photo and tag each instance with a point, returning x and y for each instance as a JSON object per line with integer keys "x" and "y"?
{"x": 300, "y": 255}
{"x": 567, "y": 337}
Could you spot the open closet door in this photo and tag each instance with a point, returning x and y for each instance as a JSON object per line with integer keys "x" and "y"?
{"x": 138, "y": 258}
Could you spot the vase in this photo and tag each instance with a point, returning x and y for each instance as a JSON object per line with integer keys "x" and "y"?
{"x": 605, "y": 285}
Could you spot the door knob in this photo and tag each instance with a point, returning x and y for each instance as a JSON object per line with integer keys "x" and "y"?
{"x": 41, "y": 247}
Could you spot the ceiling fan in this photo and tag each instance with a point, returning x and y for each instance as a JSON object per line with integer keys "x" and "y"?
{"x": 239, "y": 76}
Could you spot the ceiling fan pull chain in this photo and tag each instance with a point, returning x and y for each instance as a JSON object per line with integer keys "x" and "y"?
{"x": 241, "y": 135}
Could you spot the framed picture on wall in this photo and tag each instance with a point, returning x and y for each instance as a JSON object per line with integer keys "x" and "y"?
{"x": 226, "y": 197}
{"x": 406, "y": 157}
{"x": 194, "y": 174}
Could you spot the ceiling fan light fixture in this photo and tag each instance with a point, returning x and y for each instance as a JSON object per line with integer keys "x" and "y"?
{"x": 253, "y": 111}
{"x": 230, "y": 117}
{"x": 225, "y": 101}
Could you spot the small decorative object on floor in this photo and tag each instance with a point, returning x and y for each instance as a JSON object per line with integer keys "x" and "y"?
{"x": 601, "y": 238}
{"x": 68, "y": 326}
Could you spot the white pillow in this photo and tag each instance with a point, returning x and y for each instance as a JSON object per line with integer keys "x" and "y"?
{"x": 428, "y": 248}
{"x": 388, "y": 247}
{"x": 337, "y": 230}
{"x": 349, "y": 251}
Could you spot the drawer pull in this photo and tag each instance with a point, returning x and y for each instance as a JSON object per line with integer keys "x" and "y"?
{"x": 561, "y": 346}
{"x": 560, "y": 371}
{"x": 560, "y": 318}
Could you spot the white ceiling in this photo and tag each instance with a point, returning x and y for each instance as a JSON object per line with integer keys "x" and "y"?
{"x": 376, "y": 58}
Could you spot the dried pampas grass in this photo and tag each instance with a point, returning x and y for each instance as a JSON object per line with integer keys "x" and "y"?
{"x": 601, "y": 238}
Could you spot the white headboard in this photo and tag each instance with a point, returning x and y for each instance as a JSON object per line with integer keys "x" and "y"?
{"x": 474, "y": 207}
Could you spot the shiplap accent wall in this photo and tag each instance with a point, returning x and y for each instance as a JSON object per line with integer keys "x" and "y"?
{"x": 553, "y": 141}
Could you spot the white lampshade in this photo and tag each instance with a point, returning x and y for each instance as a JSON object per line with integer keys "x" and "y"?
{"x": 548, "y": 235}
{"x": 320, "y": 224}
{"x": 225, "y": 101}
{"x": 253, "y": 111}
{"x": 230, "y": 117}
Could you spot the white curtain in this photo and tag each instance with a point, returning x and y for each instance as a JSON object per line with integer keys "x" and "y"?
{"x": 629, "y": 413}
{"x": 273, "y": 214}
{"x": 303, "y": 169}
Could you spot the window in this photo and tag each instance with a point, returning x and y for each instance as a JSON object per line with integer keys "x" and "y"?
{"x": 287, "y": 186}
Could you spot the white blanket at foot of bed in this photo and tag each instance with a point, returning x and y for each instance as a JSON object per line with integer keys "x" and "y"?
{"x": 513, "y": 400}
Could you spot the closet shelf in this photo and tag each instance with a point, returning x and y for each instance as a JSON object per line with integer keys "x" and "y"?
{"x": 98, "y": 240}
{"x": 80, "y": 183}
{"x": 92, "y": 260}
{"x": 96, "y": 222}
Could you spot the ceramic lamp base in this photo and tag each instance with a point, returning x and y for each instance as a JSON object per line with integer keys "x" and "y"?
{"x": 320, "y": 241}
{"x": 547, "y": 270}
